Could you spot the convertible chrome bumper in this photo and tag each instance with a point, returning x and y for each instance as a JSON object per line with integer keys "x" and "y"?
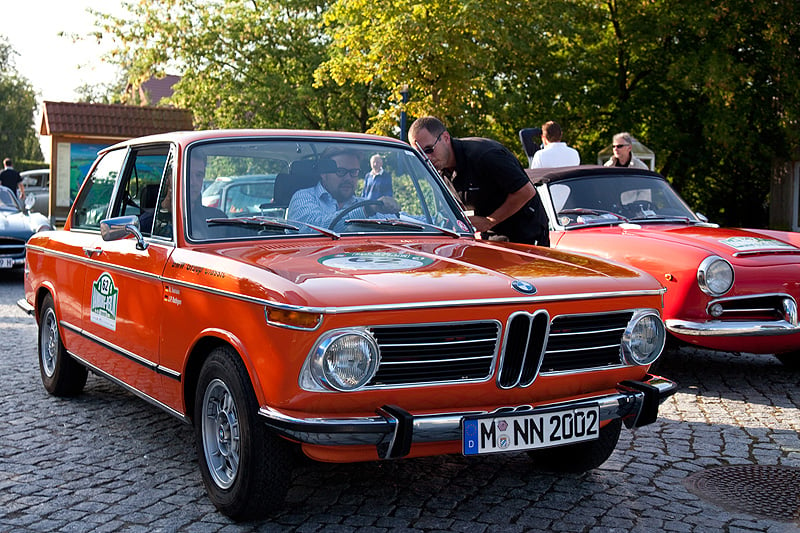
{"x": 716, "y": 328}
{"x": 393, "y": 429}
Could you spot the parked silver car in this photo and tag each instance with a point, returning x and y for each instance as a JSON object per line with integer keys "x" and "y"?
{"x": 37, "y": 187}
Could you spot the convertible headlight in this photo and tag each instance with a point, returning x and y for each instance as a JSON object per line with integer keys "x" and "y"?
{"x": 644, "y": 338}
{"x": 345, "y": 360}
{"x": 715, "y": 276}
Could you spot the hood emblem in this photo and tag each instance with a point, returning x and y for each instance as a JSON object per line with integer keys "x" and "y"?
{"x": 523, "y": 286}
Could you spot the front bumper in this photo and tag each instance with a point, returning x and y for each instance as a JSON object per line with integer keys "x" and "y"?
{"x": 393, "y": 430}
{"x": 717, "y": 328}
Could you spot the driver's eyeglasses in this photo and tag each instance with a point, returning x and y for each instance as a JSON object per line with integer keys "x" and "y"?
{"x": 352, "y": 172}
{"x": 619, "y": 146}
{"x": 429, "y": 149}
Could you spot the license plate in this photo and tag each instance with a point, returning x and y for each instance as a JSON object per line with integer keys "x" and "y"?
{"x": 527, "y": 431}
{"x": 6, "y": 262}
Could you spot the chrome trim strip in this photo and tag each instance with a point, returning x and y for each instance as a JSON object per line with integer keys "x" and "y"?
{"x": 442, "y": 427}
{"x": 23, "y": 304}
{"x": 150, "y": 365}
{"x": 730, "y": 329}
{"x": 392, "y": 307}
{"x": 146, "y": 397}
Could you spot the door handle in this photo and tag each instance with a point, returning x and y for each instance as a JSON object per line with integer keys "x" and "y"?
{"x": 89, "y": 252}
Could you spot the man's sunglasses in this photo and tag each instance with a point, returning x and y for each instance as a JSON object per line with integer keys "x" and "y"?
{"x": 353, "y": 172}
{"x": 429, "y": 149}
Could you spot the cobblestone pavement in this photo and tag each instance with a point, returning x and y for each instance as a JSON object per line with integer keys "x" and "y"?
{"x": 107, "y": 461}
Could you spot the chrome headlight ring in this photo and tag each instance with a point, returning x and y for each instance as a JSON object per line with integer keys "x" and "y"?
{"x": 644, "y": 338}
{"x": 715, "y": 276}
{"x": 344, "y": 360}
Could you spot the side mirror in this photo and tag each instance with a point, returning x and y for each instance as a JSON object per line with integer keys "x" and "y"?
{"x": 30, "y": 199}
{"x": 113, "y": 229}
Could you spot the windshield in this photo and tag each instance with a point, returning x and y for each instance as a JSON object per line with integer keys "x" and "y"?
{"x": 8, "y": 202}
{"x": 276, "y": 188}
{"x": 616, "y": 199}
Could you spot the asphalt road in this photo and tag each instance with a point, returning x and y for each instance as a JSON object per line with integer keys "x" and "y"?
{"x": 723, "y": 456}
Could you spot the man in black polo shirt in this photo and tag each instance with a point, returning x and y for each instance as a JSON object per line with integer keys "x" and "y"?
{"x": 488, "y": 179}
{"x": 10, "y": 178}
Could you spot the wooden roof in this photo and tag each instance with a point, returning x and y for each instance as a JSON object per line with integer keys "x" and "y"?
{"x": 111, "y": 120}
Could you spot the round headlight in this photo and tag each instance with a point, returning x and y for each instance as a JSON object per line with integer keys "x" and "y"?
{"x": 715, "y": 276}
{"x": 644, "y": 338}
{"x": 345, "y": 360}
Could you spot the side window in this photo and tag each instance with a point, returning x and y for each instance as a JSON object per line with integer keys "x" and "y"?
{"x": 93, "y": 203}
{"x": 162, "y": 227}
{"x": 143, "y": 178}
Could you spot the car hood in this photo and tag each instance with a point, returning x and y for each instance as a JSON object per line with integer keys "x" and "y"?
{"x": 15, "y": 224}
{"x": 332, "y": 274}
{"x": 725, "y": 242}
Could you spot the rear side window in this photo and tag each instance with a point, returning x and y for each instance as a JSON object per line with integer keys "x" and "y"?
{"x": 94, "y": 201}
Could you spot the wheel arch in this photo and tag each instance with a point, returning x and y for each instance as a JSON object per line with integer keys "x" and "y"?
{"x": 202, "y": 347}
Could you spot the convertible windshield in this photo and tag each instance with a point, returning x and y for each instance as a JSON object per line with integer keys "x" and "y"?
{"x": 616, "y": 199}
{"x": 273, "y": 188}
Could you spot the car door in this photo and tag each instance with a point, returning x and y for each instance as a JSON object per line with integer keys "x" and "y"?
{"x": 122, "y": 292}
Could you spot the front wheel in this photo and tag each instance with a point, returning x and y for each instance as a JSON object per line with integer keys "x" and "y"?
{"x": 61, "y": 374}
{"x": 246, "y": 468}
{"x": 580, "y": 457}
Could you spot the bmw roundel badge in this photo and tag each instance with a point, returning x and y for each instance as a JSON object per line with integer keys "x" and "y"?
{"x": 523, "y": 286}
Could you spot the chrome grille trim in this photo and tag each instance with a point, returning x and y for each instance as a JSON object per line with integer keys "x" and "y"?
{"x": 751, "y": 307}
{"x": 587, "y": 341}
{"x": 523, "y": 348}
{"x": 435, "y": 353}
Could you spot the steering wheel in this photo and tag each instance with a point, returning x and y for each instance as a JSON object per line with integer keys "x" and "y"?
{"x": 347, "y": 210}
{"x": 638, "y": 207}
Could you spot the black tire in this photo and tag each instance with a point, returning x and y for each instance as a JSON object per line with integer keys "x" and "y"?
{"x": 61, "y": 374}
{"x": 246, "y": 472}
{"x": 790, "y": 360}
{"x": 580, "y": 457}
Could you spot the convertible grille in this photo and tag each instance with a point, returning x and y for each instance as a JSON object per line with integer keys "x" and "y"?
{"x": 10, "y": 246}
{"x": 762, "y": 308}
{"x": 435, "y": 352}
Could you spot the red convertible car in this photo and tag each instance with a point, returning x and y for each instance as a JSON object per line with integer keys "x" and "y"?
{"x": 727, "y": 289}
{"x": 298, "y": 315}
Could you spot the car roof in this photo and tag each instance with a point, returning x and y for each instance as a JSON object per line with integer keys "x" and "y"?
{"x": 548, "y": 175}
{"x": 187, "y": 137}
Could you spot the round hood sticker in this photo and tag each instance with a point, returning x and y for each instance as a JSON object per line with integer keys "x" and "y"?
{"x": 375, "y": 261}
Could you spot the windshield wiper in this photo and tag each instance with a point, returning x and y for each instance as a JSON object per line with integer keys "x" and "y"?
{"x": 395, "y": 222}
{"x": 269, "y": 223}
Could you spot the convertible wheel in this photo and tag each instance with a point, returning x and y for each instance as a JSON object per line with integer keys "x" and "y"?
{"x": 61, "y": 374}
{"x": 582, "y": 456}
{"x": 790, "y": 360}
{"x": 246, "y": 468}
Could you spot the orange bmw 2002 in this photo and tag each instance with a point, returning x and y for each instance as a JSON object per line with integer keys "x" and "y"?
{"x": 300, "y": 315}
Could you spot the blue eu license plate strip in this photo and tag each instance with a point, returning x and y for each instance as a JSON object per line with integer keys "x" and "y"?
{"x": 531, "y": 430}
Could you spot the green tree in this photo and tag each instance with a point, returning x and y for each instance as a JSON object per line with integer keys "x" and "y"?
{"x": 243, "y": 63}
{"x": 17, "y": 136}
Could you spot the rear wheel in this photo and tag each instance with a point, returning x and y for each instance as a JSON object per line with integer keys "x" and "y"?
{"x": 246, "y": 468}
{"x": 582, "y": 456}
{"x": 61, "y": 374}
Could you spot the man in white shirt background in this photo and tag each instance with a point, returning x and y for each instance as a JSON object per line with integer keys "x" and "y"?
{"x": 555, "y": 152}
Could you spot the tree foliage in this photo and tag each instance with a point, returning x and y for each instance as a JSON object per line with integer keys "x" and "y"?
{"x": 17, "y": 137}
{"x": 711, "y": 86}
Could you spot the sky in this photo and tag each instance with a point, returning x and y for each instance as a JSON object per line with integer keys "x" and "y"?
{"x": 53, "y": 64}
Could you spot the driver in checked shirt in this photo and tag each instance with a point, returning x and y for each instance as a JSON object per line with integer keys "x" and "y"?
{"x": 335, "y": 192}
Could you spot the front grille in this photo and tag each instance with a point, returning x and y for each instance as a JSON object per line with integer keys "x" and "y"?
{"x": 435, "y": 352}
{"x": 10, "y": 246}
{"x": 762, "y": 308}
{"x": 585, "y": 341}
